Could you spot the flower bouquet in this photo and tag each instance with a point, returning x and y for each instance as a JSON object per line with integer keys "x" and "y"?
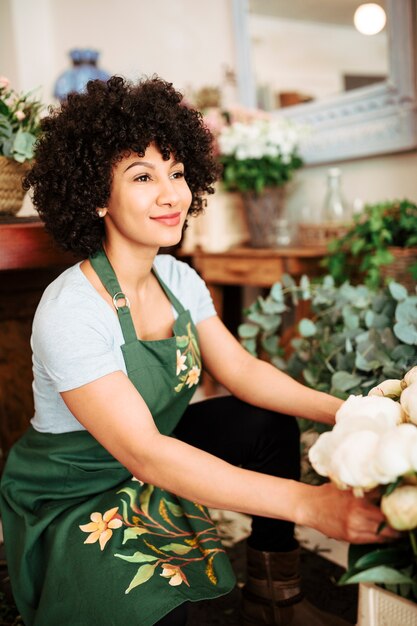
{"x": 258, "y": 154}
{"x": 373, "y": 447}
{"x": 19, "y": 122}
{"x": 19, "y": 127}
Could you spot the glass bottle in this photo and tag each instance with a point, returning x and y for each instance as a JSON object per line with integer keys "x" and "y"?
{"x": 335, "y": 207}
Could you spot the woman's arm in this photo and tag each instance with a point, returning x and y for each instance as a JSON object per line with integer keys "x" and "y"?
{"x": 116, "y": 415}
{"x": 256, "y": 381}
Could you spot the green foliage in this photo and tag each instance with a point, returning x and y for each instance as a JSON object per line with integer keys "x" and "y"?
{"x": 256, "y": 174}
{"x": 19, "y": 123}
{"x": 392, "y": 566}
{"x": 364, "y": 248}
{"x": 353, "y": 339}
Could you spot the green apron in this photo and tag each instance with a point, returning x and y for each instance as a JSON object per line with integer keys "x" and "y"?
{"x": 86, "y": 542}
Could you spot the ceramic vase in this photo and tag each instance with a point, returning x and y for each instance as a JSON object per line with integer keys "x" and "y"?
{"x": 84, "y": 68}
{"x": 267, "y": 218}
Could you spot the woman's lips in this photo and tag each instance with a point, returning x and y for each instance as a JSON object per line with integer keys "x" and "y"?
{"x": 171, "y": 219}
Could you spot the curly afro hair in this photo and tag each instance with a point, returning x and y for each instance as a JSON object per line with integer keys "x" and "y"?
{"x": 83, "y": 139}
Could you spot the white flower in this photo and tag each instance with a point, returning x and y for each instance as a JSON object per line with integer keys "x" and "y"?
{"x": 390, "y": 388}
{"x": 351, "y": 463}
{"x": 410, "y": 377}
{"x": 409, "y": 402}
{"x": 385, "y": 410}
{"x": 20, "y": 115}
{"x": 394, "y": 453}
{"x": 400, "y": 508}
{"x": 320, "y": 453}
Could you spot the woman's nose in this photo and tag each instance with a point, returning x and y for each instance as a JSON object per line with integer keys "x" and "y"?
{"x": 168, "y": 193}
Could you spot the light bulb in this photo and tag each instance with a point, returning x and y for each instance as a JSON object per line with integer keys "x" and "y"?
{"x": 369, "y": 18}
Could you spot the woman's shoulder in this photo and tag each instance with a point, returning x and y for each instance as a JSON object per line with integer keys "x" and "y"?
{"x": 69, "y": 296}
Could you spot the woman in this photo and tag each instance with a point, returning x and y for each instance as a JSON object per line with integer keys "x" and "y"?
{"x": 103, "y": 499}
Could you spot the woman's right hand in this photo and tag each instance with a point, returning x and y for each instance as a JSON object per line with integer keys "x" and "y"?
{"x": 341, "y": 515}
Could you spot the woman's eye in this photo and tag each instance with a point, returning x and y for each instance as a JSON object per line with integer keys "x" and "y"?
{"x": 178, "y": 174}
{"x": 142, "y": 178}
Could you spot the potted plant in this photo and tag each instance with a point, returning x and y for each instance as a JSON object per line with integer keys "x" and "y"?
{"x": 381, "y": 243}
{"x": 19, "y": 127}
{"x": 259, "y": 158}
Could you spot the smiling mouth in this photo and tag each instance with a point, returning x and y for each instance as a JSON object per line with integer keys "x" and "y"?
{"x": 171, "y": 219}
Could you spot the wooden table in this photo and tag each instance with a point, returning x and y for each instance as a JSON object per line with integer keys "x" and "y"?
{"x": 254, "y": 267}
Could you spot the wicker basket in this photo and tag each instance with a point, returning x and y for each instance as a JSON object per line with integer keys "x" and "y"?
{"x": 320, "y": 234}
{"x": 11, "y": 192}
{"x": 399, "y": 268}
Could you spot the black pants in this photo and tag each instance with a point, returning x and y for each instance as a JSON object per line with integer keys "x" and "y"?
{"x": 255, "y": 439}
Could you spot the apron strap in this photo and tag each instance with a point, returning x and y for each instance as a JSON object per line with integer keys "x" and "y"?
{"x": 107, "y": 275}
{"x": 174, "y": 301}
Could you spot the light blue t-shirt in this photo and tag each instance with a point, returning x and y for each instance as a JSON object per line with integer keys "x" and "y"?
{"x": 76, "y": 336}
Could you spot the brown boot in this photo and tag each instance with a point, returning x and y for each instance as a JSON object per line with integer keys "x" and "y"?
{"x": 272, "y": 595}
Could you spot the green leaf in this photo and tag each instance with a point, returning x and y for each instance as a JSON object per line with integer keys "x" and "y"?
{"x": 174, "y": 508}
{"x": 133, "y": 532}
{"x": 181, "y": 341}
{"x": 138, "y": 557}
{"x": 277, "y": 293}
{"x": 250, "y": 346}
{"x": 345, "y": 381}
{"x": 380, "y": 574}
{"x": 382, "y": 556}
{"x": 177, "y": 548}
{"x": 406, "y": 332}
{"x": 398, "y": 292}
{"x": 143, "y": 574}
{"x": 307, "y": 328}
{"x": 247, "y": 331}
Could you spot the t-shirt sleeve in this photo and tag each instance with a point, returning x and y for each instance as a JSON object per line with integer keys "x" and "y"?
{"x": 72, "y": 343}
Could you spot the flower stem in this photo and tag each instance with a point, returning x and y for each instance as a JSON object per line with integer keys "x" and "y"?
{"x": 413, "y": 541}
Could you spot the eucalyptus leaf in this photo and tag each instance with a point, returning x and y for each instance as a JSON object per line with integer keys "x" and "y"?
{"x": 398, "y": 292}
{"x": 407, "y": 332}
{"x": 247, "y": 331}
{"x": 345, "y": 381}
{"x": 307, "y": 328}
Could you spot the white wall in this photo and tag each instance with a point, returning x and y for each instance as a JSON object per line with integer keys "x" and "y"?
{"x": 184, "y": 41}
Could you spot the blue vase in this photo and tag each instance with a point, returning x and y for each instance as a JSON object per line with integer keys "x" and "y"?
{"x": 84, "y": 68}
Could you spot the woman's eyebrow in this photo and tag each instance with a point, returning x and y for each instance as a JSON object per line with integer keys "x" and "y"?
{"x": 145, "y": 163}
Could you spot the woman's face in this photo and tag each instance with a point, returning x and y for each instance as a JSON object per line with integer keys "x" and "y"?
{"x": 149, "y": 201}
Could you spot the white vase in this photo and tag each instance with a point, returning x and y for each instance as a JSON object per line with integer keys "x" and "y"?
{"x": 379, "y": 607}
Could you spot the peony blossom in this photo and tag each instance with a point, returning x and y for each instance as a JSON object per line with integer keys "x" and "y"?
{"x": 4, "y": 82}
{"x": 101, "y": 526}
{"x": 394, "y": 453}
{"x": 400, "y": 508}
{"x": 20, "y": 115}
{"x": 351, "y": 464}
{"x": 390, "y": 388}
{"x": 409, "y": 378}
{"x": 373, "y": 407}
{"x": 409, "y": 402}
